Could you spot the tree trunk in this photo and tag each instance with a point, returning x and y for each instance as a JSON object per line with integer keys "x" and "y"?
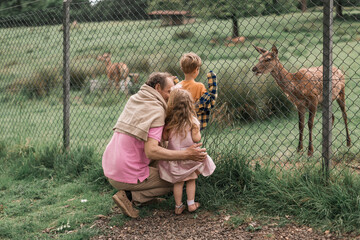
{"x": 235, "y": 26}
{"x": 19, "y": 6}
{"x": 274, "y": 7}
{"x": 303, "y": 5}
{"x": 339, "y": 12}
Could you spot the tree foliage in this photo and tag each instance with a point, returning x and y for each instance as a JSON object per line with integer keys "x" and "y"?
{"x": 14, "y": 7}
{"x": 120, "y": 10}
{"x": 226, "y": 9}
{"x": 344, "y": 3}
{"x": 167, "y": 5}
{"x": 47, "y": 12}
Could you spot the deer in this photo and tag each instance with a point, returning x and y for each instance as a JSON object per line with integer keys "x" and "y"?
{"x": 115, "y": 71}
{"x": 304, "y": 89}
{"x": 73, "y": 25}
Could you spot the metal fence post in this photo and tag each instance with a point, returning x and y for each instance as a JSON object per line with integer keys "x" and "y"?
{"x": 327, "y": 85}
{"x": 66, "y": 74}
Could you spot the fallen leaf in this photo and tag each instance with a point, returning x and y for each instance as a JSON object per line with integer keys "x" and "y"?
{"x": 100, "y": 216}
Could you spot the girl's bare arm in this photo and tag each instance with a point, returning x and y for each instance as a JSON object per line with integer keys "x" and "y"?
{"x": 195, "y": 135}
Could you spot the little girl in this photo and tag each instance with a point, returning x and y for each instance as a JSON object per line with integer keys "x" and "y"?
{"x": 182, "y": 129}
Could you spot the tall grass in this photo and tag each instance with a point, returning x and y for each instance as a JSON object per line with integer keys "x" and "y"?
{"x": 41, "y": 191}
{"x": 38, "y": 85}
{"x": 49, "y": 162}
{"x": 307, "y": 197}
{"x": 302, "y": 195}
{"x": 52, "y": 179}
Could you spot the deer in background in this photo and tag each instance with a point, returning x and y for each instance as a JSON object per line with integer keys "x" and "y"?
{"x": 73, "y": 25}
{"x": 115, "y": 71}
{"x": 304, "y": 89}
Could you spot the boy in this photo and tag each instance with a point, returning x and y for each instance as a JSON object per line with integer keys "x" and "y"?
{"x": 204, "y": 99}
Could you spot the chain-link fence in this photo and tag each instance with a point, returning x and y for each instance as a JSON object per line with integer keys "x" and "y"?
{"x": 255, "y": 114}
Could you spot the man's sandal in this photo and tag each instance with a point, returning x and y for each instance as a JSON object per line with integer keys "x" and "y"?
{"x": 179, "y": 209}
{"x": 193, "y": 207}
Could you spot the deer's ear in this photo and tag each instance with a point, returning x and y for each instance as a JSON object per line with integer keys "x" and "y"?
{"x": 260, "y": 50}
{"x": 274, "y": 50}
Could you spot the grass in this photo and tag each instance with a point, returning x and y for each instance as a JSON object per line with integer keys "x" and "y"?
{"x": 42, "y": 193}
{"x": 303, "y": 195}
{"x": 47, "y": 193}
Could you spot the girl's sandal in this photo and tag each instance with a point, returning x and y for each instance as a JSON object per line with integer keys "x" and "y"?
{"x": 179, "y": 209}
{"x": 193, "y": 207}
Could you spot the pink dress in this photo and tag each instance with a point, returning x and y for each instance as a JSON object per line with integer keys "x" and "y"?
{"x": 178, "y": 171}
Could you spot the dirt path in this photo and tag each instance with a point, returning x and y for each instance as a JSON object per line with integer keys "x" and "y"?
{"x": 163, "y": 224}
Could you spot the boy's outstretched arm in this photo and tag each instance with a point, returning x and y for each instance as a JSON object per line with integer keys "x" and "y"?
{"x": 207, "y": 101}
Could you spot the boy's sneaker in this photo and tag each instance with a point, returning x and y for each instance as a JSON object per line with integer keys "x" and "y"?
{"x": 125, "y": 205}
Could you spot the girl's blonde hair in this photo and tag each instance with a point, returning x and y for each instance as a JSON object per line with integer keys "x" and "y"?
{"x": 180, "y": 112}
{"x": 189, "y": 62}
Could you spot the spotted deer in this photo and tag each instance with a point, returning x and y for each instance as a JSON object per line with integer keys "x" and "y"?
{"x": 115, "y": 71}
{"x": 304, "y": 89}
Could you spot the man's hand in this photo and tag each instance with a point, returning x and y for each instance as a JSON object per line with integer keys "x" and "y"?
{"x": 195, "y": 153}
{"x": 155, "y": 152}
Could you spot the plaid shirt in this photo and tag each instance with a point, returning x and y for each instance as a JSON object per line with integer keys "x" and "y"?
{"x": 206, "y": 101}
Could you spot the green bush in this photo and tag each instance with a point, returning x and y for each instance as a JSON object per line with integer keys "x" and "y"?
{"x": 2, "y": 149}
{"x": 183, "y": 35}
{"x": 51, "y": 161}
{"x": 84, "y": 68}
{"x": 170, "y": 64}
{"x": 78, "y": 76}
{"x": 134, "y": 88}
{"x": 138, "y": 64}
{"x": 38, "y": 85}
{"x": 245, "y": 97}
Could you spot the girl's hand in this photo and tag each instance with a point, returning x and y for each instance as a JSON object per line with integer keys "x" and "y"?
{"x": 195, "y": 153}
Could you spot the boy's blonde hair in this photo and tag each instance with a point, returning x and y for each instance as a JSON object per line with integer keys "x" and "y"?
{"x": 189, "y": 62}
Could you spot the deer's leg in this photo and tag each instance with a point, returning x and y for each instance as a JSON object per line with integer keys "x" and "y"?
{"x": 126, "y": 90}
{"x": 301, "y": 113}
{"x": 126, "y": 87}
{"x": 341, "y": 102}
{"x": 109, "y": 80}
{"x": 117, "y": 81}
{"x": 117, "y": 84}
{"x": 126, "y": 83}
{"x": 312, "y": 112}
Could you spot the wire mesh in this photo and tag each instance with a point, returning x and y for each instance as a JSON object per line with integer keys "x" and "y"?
{"x": 255, "y": 114}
